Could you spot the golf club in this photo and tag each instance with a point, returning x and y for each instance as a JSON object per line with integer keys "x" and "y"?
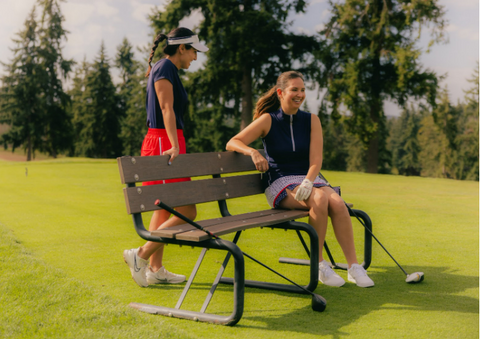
{"x": 415, "y": 277}
{"x": 318, "y": 302}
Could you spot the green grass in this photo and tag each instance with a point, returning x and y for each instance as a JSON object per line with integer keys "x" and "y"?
{"x": 64, "y": 226}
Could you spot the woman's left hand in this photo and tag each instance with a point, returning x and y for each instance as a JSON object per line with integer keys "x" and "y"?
{"x": 261, "y": 164}
{"x": 173, "y": 153}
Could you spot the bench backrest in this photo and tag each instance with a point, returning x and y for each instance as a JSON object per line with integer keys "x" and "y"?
{"x": 135, "y": 170}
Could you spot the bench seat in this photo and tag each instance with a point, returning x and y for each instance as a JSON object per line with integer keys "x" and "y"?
{"x": 230, "y": 224}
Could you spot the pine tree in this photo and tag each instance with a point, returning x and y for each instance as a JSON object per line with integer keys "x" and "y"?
{"x": 467, "y": 139}
{"x": 98, "y": 122}
{"x": 54, "y": 68}
{"x": 35, "y": 102}
{"x": 132, "y": 99}
{"x": 407, "y": 161}
{"x": 20, "y": 92}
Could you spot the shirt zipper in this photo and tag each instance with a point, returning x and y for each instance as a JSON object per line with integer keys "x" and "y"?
{"x": 291, "y": 132}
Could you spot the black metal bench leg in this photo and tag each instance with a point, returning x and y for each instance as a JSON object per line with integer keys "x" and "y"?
{"x": 219, "y": 275}
{"x": 313, "y": 263}
{"x": 191, "y": 278}
{"x": 238, "y": 292}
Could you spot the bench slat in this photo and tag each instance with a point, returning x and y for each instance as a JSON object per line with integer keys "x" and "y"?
{"x": 142, "y": 198}
{"x": 139, "y": 169}
{"x": 231, "y": 224}
{"x": 170, "y": 232}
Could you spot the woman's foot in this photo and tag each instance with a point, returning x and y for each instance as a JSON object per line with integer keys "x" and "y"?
{"x": 327, "y": 276}
{"x": 137, "y": 265}
{"x": 162, "y": 276}
{"x": 358, "y": 275}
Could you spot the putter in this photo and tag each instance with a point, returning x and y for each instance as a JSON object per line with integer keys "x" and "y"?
{"x": 318, "y": 302}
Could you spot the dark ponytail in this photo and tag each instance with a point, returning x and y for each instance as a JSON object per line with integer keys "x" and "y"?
{"x": 168, "y": 49}
{"x": 270, "y": 102}
{"x": 160, "y": 37}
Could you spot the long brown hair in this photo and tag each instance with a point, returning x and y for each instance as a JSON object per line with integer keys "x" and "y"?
{"x": 168, "y": 49}
{"x": 270, "y": 102}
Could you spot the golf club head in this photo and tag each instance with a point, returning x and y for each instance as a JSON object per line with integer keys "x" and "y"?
{"x": 318, "y": 303}
{"x": 414, "y": 278}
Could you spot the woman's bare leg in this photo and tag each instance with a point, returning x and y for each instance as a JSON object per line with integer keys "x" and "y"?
{"x": 154, "y": 250}
{"x": 317, "y": 204}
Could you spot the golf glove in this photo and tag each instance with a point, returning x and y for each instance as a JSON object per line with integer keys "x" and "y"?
{"x": 304, "y": 190}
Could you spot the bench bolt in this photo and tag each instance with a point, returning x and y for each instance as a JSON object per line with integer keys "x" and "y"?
{"x": 142, "y": 207}
{"x": 136, "y": 177}
{"x": 139, "y": 190}
{"x": 134, "y": 161}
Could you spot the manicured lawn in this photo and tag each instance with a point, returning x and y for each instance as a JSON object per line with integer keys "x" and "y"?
{"x": 63, "y": 228}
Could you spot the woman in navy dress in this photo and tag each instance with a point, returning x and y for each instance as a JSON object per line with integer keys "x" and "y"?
{"x": 293, "y": 144}
{"x": 166, "y": 104}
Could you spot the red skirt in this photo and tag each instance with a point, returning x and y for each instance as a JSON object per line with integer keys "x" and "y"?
{"x": 155, "y": 143}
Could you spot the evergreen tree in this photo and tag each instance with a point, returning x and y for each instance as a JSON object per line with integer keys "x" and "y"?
{"x": 433, "y": 145}
{"x": 467, "y": 139}
{"x": 132, "y": 99}
{"x": 98, "y": 124}
{"x": 35, "y": 102}
{"x": 20, "y": 92}
{"x": 54, "y": 68}
{"x": 368, "y": 55}
{"x": 407, "y": 161}
{"x": 250, "y": 45}
{"x": 81, "y": 118}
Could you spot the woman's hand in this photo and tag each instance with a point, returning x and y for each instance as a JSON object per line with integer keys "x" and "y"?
{"x": 261, "y": 164}
{"x": 173, "y": 153}
{"x": 304, "y": 190}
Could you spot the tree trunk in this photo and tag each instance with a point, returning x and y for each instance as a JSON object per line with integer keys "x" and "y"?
{"x": 29, "y": 148}
{"x": 247, "y": 104}
{"x": 372, "y": 154}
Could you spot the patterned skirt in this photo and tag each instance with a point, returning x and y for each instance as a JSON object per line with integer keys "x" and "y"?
{"x": 276, "y": 191}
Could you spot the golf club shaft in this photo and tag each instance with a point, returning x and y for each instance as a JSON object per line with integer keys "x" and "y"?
{"x": 371, "y": 233}
{"x": 194, "y": 224}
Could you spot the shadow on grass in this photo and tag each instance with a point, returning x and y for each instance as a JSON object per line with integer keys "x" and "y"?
{"x": 438, "y": 292}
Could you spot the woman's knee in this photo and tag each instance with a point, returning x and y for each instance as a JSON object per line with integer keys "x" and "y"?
{"x": 336, "y": 204}
{"x": 189, "y": 211}
{"x": 318, "y": 200}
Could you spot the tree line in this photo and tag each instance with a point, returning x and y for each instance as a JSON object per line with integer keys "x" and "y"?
{"x": 365, "y": 54}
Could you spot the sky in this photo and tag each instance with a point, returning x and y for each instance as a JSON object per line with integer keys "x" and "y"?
{"x": 92, "y": 21}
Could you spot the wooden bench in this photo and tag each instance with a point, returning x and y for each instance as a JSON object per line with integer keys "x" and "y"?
{"x": 216, "y": 187}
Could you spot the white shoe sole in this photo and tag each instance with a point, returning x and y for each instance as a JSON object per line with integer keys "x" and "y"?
{"x": 369, "y": 284}
{"x": 131, "y": 264}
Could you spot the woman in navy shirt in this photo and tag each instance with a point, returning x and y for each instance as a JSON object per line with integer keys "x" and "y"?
{"x": 166, "y": 104}
{"x": 293, "y": 144}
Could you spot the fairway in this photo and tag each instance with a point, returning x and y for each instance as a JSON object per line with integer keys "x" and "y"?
{"x": 63, "y": 227}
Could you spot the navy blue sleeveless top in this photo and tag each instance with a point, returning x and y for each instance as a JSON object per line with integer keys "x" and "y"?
{"x": 165, "y": 69}
{"x": 287, "y": 145}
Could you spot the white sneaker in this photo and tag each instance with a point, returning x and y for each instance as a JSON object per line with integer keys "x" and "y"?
{"x": 138, "y": 266}
{"x": 358, "y": 275}
{"x": 162, "y": 276}
{"x": 327, "y": 276}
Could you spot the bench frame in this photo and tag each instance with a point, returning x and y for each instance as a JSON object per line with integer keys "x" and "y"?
{"x": 139, "y": 199}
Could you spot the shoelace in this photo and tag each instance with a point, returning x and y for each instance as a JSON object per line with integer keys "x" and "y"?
{"x": 327, "y": 271}
{"x": 357, "y": 271}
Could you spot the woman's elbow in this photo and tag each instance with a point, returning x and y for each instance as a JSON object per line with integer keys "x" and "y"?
{"x": 229, "y": 146}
